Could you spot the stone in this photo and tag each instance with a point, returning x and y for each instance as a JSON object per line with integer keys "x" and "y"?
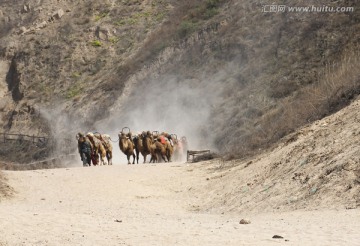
{"x": 41, "y": 25}
{"x": 22, "y": 30}
{"x": 58, "y": 14}
{"x": 277, "y": 237}
{"x": 244, "y": 222}
{"x": 38, "y": 9}
{"x": 25, "y": 9}
{"x": 102, "y": 33}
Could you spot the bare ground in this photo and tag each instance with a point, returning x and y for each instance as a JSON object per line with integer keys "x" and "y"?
{"x": 150, "y": 205}
{"x": 306, "y": 190}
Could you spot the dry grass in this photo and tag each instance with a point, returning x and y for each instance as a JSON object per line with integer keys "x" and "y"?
{"x": 338, "y": 85}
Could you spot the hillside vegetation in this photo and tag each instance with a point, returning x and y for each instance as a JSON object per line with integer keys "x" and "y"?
{"x": 222, "y": 72}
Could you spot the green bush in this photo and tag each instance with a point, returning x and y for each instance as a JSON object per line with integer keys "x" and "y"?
{"x": 73, "y": 91}
{"x": 96, "y": 43}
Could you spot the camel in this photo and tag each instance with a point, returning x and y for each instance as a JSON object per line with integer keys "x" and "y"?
{"x": 154, "y": 147}
{"x": 106, "y": 142}
{"x": 139, "y": 147}
{"x": 167, "y": 141}
{"x": 98, "y": 148}
{"x": 126, "y": 145}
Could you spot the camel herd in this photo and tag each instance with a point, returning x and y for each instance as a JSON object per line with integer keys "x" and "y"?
{"x": 95, "y": 148}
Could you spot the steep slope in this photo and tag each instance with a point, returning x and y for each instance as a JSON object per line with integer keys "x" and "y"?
{"x": 316, "y": 167}
{"x": 225, "y": 73}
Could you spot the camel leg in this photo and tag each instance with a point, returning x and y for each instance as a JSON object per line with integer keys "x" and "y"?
{"x": 153, "y": 158}
{"x": 137, "y": 156}
{"x": 128, "y": 158}
{"x": 134, "y": 158}
{"x": 109, "y": 158}
{"x": 103, "y": 157}
{"x": 144, "y": 158}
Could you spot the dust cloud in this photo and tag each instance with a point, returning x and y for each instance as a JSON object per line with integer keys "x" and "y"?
{"x": 181, "y": 106}
{"x": 170, "y": 104}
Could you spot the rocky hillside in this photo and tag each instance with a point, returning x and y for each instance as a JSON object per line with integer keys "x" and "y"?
{"x": 224, "y": 73}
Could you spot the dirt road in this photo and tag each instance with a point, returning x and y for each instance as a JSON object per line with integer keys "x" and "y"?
{"x": 149, "y": 205}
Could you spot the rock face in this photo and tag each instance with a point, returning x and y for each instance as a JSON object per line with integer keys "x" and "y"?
{"x": 13, "y": 81}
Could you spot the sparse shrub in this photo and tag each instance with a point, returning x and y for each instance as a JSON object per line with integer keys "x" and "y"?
{"x": 131, "y": 2}
{"x": 96, "y": 43}
{"x": 160, "y": 16}
{"x": 210, "y": 13}
{"x": 204, "y": 10}
{"x": 76, "y": 75}
{"x": 132, "y": 21}
{"x": 186, "y": 28}
{"x": 212, "y": 9}
{"x": 120, "y": 22}
{"x": 100, "y": 16}
{"x": 73, "y": 91}
{"x": 210, "y": 4}
{"x": 113, "y": 40}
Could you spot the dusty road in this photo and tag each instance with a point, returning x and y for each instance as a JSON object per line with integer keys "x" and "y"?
{"x": 149, "y": 205}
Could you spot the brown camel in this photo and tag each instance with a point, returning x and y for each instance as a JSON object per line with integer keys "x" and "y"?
{"x": 167, "y": 142}
{"x": 154, "y": 147}
{"x": 139, "y": 147}
{"x": 106, "y": 142}
{"x": 98, "y": 148}
{"x": 127, "y": 146}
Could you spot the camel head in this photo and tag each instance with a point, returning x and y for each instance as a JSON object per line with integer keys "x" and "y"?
{"x": 122, "y": 135}
{"x": 79, "y": 135}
